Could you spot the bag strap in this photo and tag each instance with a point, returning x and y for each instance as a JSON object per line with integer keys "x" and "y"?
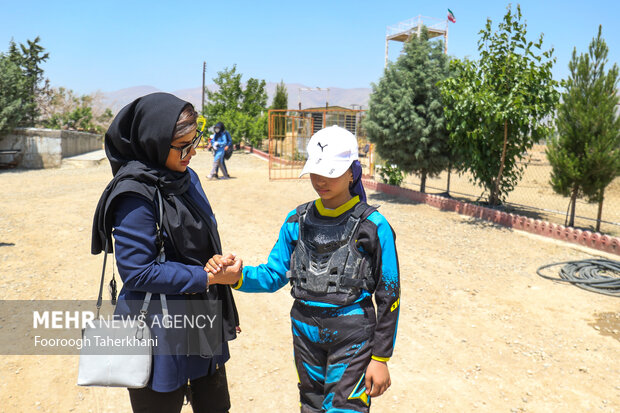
{"x": 147, "y": 301}
{"x": 161, "y": 257}
{"x": 100, "y": 298}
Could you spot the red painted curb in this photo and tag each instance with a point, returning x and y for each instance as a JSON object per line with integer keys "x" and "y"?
{"x": 603, "y": 242}
{"x": 547, "y": 229}
{"x": 542, "y": 229}
{"x": 584, "y": 238}
{"x": 256, "y": 151}
{"x": 593, "y": 242}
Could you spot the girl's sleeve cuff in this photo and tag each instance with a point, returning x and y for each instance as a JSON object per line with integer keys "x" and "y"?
{"x": 383, "y": 359}
{"x": 238, "y": 284}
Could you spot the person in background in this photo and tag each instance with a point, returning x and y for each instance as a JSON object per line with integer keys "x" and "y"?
{"x": 220, "y": 142}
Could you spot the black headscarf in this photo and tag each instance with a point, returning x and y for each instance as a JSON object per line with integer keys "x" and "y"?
{"x": 222, "y": 129}
{"x": 137, "y": 145}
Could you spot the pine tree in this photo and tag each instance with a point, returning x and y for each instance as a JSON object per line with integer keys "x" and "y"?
{"x": 405, "y": 116}
{"x": 21, "y": 84}
{"x": 280, "y": 99}
{"x": 29, "y": 58}
{"x": 585, "y": 156}
{"x": 12, "y": 94}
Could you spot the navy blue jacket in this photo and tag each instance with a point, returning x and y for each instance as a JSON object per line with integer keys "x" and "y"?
{"x": 136, "y": 252}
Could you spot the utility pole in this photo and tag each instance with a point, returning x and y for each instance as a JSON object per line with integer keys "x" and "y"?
{"x": 204, "y": 70}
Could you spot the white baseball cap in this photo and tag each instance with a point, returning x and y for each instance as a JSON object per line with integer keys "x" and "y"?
{"x": 331, "y": 151}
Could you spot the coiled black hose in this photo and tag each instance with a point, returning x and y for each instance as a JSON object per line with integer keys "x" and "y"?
{"x": 597, "y": 275}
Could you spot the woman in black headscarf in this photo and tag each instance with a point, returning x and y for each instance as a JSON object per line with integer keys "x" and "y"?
{"x": 149, "y": 145}
{"x": 220, "y": 142}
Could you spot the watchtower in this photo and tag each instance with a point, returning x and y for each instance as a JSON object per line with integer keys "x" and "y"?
{"x": 404, "y": 30}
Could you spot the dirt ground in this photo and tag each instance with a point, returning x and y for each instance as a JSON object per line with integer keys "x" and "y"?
{"x": 479, "y": 331}
{"x": 534, "y": 197}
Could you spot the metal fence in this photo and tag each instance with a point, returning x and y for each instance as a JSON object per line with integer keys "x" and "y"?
{"x": 290, "y": 131}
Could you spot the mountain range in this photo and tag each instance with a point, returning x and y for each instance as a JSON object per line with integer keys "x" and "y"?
{"x": 348, "y": 98}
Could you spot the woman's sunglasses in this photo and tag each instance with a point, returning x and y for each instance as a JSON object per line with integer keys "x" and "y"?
{"x": 185, "y": 150}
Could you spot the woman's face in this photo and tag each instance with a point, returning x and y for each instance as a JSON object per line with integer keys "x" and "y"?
{"x": 174, "y": 161}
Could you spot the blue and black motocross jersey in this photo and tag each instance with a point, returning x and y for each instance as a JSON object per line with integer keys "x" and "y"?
{"x": 375, "y": 238}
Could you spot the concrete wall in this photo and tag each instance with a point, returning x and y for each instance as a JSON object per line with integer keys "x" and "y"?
{"x": 45, "y": 148}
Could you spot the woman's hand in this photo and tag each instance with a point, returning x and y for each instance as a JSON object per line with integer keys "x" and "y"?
{"x": 218, "y": 262}
{"x": 224, "y": 269}
{"x": 377, "y": 378}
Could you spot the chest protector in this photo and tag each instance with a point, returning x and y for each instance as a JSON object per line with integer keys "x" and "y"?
{"x": 326, "y": 265}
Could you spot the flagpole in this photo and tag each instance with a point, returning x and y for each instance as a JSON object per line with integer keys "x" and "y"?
{"x": 449, "y": 19}
{"x": 446, "y": 45}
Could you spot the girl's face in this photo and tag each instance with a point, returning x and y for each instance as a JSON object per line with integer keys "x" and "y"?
{"x": 174, "y": 161}
{"x": 333, "y": 191}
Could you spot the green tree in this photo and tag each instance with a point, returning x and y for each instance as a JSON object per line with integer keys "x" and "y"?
{"x": 280, "y": 98}
{"x": 405, "y": 117}
{"x": 12, "y": 94}
{"x": 226, "y": 97}
{"x": 21, "y": 82}
{"x": 241, "y": 110}
{"x": 497, "y": 107}
{"x": 585, "y": 155}
{"x": 63, "y": 109}
{"x": 254, "y": 101}
{"x": 29, "y": 58}
{"x": 254, "y": 105}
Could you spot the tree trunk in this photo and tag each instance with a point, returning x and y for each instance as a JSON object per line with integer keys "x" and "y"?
{"x": 600, "y": 210}
{"x": 448, "y": 184}
{"x": 573, "y": 204}
{"x": 494, "y": 198}
{"x": 423, "y": 182}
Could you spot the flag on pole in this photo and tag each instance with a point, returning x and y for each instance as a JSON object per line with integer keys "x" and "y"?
{"x": 451, "y": 16}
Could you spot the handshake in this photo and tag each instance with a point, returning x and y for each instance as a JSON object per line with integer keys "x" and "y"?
{"x": 225, "y": 269}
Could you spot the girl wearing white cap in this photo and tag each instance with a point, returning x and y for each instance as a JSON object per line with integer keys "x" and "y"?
{"x": 336, "y": 252}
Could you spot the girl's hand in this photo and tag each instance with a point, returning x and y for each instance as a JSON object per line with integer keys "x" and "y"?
{"x": 224, "y": 269}
{"x": 377, "y": 378}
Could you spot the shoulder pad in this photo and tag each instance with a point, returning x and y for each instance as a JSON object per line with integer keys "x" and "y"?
{"x": 362, "y": 210}
{"x": 303, "y": 208}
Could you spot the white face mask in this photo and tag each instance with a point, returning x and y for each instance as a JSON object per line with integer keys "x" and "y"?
{"x": 217, "y": 130}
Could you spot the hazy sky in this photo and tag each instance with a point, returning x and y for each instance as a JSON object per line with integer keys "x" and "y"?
{"x": 96, "y": 45}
